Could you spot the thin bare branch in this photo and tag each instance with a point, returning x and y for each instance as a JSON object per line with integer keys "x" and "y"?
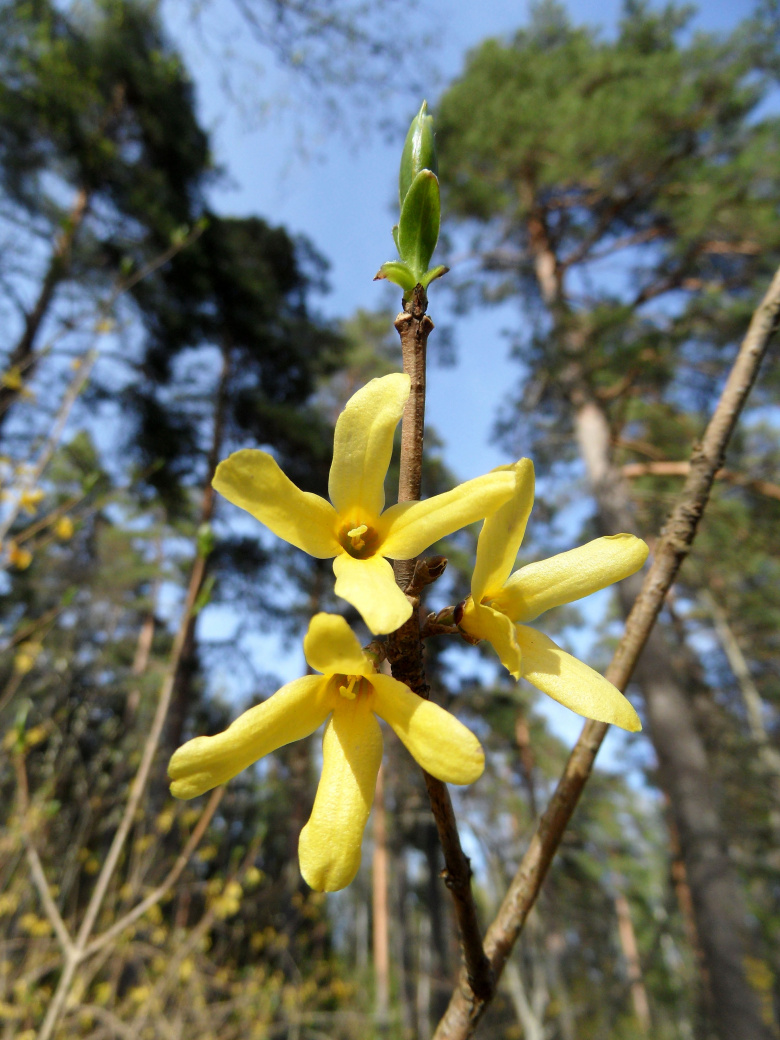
{"x": 167, "y": 884}
{"x": 674, "y": 468}
{"x": 34, "y": 861}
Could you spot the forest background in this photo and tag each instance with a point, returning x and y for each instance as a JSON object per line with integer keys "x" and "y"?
{"x": 610, "y": 198}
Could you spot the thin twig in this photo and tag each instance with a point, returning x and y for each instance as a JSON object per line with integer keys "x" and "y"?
{"x": 77, "y": 384}
{"x": 34, "y": 860}
{"x": 405, "y": 649}
{"x": 466, "y": 1007}
{"x": 169, "y": 881}
{"x": 675, "y": 468}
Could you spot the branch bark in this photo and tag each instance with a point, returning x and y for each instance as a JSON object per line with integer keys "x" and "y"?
{"x": 466, "y": 1007}
{"x": 405, "y": 649}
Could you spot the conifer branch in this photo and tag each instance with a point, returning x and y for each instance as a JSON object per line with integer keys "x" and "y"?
{"x": 466, "y": 1006}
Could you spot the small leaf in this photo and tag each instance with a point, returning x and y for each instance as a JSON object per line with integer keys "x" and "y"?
{"x": 204, "y": 595}
{"x": 395, "y": 236}
{"x": 397, "y": 271}
{"x": 435, "y": 272}
{"x": 205, "y": 540}
{"x": 418, "y": 228}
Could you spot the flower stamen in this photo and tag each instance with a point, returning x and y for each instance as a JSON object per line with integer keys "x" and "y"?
{"x": 355, "y": 536}
{"x": 348, "y": 691}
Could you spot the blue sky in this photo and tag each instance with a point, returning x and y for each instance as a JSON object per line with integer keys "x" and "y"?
{"x": 336, "y": 182}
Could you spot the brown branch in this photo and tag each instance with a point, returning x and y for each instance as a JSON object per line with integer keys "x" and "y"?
{"x": 34, "y": 861}
{"x": 168, "y": 882}
{"x": 466, "y": 1006}
{"x": 404, "y": 648}
{"x": 681, "y": 469}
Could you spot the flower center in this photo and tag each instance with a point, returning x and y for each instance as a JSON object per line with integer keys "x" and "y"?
{"x": 359, "y": 540}
{"x": 351, "y": 687}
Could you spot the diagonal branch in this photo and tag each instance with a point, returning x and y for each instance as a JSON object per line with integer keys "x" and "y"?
{"x": 467, "y": 1007}
{"x": 166, "y": 884}
{"x": 34, "y": 861}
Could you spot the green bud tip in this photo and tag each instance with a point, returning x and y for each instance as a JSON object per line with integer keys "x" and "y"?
{"x": 419, "y": 151}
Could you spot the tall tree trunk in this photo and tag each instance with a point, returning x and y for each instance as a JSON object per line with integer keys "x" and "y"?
{"x": 22, "y": 356}
{"x": 424, "y": 969}
{"x": 683, "y": 770}
{"x": 630, "y": 948}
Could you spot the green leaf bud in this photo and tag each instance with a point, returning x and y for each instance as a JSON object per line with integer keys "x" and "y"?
{"x": 418, "y": 228}
{"x": 205, "y": 540}
{"x": 399, "y": 272}
{"x": 433, "y": 273}
{"x": 419, "y": 152}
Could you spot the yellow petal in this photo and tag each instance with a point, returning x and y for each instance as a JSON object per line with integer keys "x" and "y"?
{"x": 573, "y": 683}
{"x": 570, "y": 576}
{"x": 370, "y": 587}
{"x": 485, "y": 623}
{"x": 363, "y": 445}
{"x": 434, "y": 738}
{"x": 409, "y": 527}
{"x": 502, "y": 534}
{"x": 332, "y": 647}
{"x": 291, "y": 713}
{"x": 329, "y": 846}
{"x": 252, "y": 480}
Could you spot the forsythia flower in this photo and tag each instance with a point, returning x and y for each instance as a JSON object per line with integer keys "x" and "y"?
{"x": 29, "y": 500}
{"x": 353, "y": 693}
{"x": 63, "y": 528}
{"x": 499, "y": 605}
{"x": 355, "y": 530}
{"x": 19, "y": 557}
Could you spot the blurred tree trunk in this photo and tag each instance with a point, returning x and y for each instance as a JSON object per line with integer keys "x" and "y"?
{"x": 381, "y": 915}
{"x": 188, "y": 666}
{"x": 628, "y": 945}
{"x": 22, "y": 358}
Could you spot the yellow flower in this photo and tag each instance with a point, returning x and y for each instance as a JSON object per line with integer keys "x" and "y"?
{"x": 19, "y": 557}
{"x": 12, "y": 378}
{"x": 63, "y": 528}
{"x": 354, "y": 529}
{"x": 353, "y": 694}
{"x": 500, "y": 606}
{"x": 30, "y": 499}
{"x": 26, "y": 656}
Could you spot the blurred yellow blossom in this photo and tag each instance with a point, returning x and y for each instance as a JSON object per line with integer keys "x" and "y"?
{"x": 64, "y": 528}
{"x": 19, "y": 557}
{"x": 30, "y": 499}
{"x": 26, "y": 656}
{"x": 12, "y": 378}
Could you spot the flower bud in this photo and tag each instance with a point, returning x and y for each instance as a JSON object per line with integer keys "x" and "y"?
{"x": 419, "y": 151}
